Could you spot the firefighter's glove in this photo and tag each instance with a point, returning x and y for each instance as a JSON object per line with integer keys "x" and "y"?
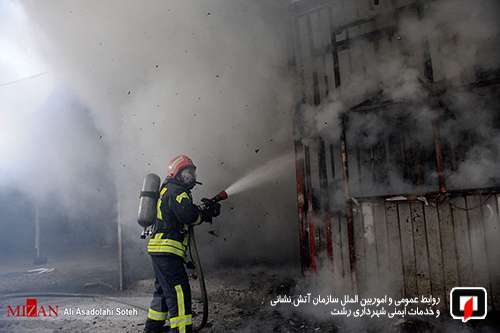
{"x": 215, "y": 209}
{"x": 209, "y": 210}
{"x": 205, "y": 215}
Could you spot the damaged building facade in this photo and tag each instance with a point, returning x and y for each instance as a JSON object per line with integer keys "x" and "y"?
{"x": 397, "y": 142}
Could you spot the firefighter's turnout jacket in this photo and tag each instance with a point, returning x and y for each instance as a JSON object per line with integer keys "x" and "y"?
{"x": 175, "y": 213}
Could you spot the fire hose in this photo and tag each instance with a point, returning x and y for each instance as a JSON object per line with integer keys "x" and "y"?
{"x": 193, "y": 250}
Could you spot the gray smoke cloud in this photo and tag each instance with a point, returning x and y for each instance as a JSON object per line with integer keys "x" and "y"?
{"x": 464, "y": 46}
{"x": 53, "y": 158}
{"x": 210, "y": 80}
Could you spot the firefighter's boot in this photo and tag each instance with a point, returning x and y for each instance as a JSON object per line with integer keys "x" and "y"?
{"x": 154, "y": 326}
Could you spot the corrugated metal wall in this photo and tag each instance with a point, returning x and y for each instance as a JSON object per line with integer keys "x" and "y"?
{"x": 421, "y": 246}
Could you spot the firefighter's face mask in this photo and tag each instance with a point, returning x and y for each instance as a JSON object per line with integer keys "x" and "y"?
{"x": 188, "y": 177}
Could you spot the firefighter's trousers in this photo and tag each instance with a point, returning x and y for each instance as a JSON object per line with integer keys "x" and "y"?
{"x": 172, "y": 296}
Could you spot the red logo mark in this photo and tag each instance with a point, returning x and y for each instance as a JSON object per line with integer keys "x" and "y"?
{"x": 468, "y": 308}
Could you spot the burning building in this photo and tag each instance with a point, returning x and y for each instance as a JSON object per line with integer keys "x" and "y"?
{"x": 396, "y": 143}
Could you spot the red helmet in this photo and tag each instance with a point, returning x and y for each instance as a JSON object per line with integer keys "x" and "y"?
{"x": 178, "y": 163}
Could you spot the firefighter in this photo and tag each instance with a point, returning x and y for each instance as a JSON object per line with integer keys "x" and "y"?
{"x": 168, "y": 244}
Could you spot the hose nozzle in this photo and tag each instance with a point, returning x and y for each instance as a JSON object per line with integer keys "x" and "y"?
{"x": 220, "y": 196}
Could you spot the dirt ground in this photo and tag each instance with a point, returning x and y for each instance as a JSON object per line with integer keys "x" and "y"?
{"x": 239, "y": 301}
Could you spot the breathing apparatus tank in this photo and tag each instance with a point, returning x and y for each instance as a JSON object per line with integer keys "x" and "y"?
{"x": 147, "y": 200}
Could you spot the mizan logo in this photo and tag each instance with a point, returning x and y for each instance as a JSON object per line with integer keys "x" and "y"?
{"x": 468, "y": 303}
{"x": 32, "y": 309}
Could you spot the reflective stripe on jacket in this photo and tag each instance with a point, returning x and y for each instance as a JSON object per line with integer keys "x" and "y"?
{"x": 175, "y": 212}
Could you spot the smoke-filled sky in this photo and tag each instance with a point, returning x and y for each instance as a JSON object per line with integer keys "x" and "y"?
{"x": 208, "y": 79}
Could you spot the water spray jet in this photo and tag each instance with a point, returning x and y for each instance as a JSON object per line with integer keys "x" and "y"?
{"x": 268, "y": 171}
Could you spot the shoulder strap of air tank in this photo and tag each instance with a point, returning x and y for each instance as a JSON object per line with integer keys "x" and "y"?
{"x": 170, "y": 197}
